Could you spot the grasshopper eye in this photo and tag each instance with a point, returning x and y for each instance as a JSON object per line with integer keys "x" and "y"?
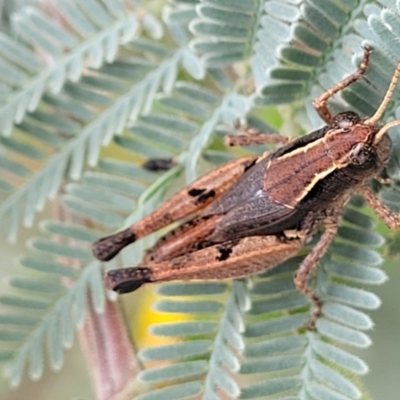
{"x": 345, "y": 120}
{"x": 363, "y": 156}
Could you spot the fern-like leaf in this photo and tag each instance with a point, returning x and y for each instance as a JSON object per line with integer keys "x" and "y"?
{"x": 155, "y": 98}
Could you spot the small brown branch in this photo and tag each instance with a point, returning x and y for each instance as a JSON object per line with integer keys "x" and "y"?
{"x": 108, "y": 351}
{"x": 104, "y": 341}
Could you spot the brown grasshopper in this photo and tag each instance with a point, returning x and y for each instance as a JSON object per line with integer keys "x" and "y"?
{"x": 253, "y": 213}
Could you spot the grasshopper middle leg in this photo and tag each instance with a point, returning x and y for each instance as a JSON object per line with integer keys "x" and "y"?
{"x": 309, "y": 264}
{"x": 388, "y": 217}
{"x": 255, "y": 139}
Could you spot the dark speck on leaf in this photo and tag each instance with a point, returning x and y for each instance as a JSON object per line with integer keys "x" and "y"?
{"x": 158, "y": 164}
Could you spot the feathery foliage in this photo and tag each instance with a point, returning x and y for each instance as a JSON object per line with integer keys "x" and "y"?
{"x": 91, "y": 89}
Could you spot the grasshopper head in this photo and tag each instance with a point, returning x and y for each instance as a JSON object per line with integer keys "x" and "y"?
{"x": 362, "y": 144}
{"x": 349, "y": 142}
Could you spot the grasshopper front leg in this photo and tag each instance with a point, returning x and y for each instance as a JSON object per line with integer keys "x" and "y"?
{"x": 233, "y": 259}
{"x": 321, "y": 103}
{"x": 188, "y": 201}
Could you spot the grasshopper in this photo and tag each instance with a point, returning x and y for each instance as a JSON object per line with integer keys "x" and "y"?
{"x": 253, "y": 213}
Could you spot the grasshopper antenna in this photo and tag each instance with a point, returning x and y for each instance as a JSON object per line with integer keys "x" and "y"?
{"x": 384, "y": 129}
{"x": 382, "y": 107}
{"x": 388, "y": 96}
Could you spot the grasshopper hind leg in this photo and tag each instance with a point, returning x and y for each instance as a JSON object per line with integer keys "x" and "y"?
{"x": 108, "y": 247}
{"x": 126, "y": 280}
{"x": 233, "y": 259}
{"x": 187, "y": 202}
